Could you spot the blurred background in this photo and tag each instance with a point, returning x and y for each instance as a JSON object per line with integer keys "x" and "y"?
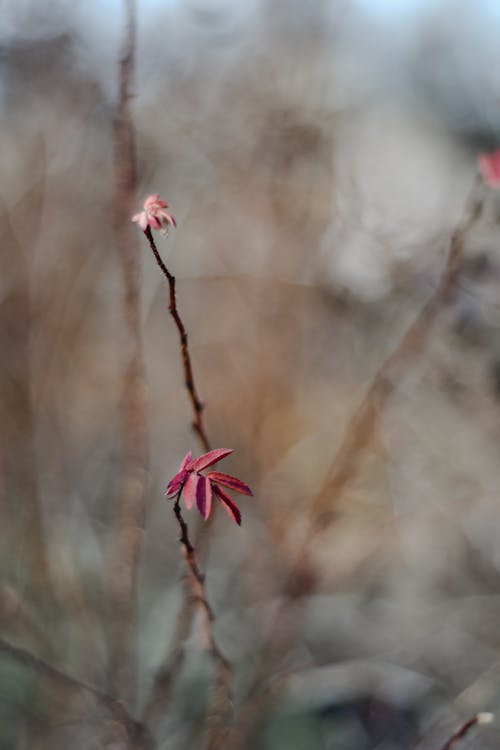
{"x": 317, "y": 155}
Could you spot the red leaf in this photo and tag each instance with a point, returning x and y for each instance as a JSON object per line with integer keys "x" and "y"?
{"x": 175, "y": 483}
{"x": 230, "y": 482}
{"x": 228, "y": 504}
{"x": 204, "y": 497}
{"x": 186, "y": 461}
{"x": 190, "y": 491}
{"x": 209, "y": 458}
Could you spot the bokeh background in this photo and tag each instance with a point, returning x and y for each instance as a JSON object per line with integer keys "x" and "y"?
{"x": 317, "y": 155}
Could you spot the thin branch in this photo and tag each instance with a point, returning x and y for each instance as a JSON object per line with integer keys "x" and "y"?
{"x": 482, "y": 718}
{"x": 197, "y": 580}
{"x": 19, "y": 485}
{"x": 361, "y": 427}
{"x": 194, "y": 594}
{"x": 166, "y": 675}
{"x": 221, "y": 698}
{"x": 130, "y": 522}
{"x": 137, "y": 733}
{"x": 253, "y": 712}
{"x": 358, "y": 435}
{"x": 196, "y": 402}
{"x": 18, "y": 615}
{"x": 162, "y": 685}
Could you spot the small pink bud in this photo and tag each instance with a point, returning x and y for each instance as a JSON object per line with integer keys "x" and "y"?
{"x": 155, "y": 215}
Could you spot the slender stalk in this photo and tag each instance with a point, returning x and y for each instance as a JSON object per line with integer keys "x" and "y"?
{"x": 19, "y": 483}
{"x": 196, "y": 402}
{"x": 197, "y": 577}
{"x": 194, "y": 593}
{"x": 166, "y": 675}
{"x": 137, "y": 734}
{"x": 482, "y": 718}
{"x": 358, "y": 435}
{"x": 131, "y": 512}
{"x": 361, "y": 427}
{"x": 221, "y": 699}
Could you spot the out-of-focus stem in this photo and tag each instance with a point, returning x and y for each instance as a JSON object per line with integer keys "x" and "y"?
{"x": 357, "y": 436}
{"x": 361, "y": 427}
{"x": 221, "y": 697}
{"x": 482, "y": 718}
{"x": 168, "y": 672}
{"x": 138, "y": 736}
{"x": 19, "y": 488}
{"x": 131, "y": 511}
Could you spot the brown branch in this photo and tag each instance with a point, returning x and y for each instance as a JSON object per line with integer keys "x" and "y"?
{"x": 194, "y": 594}
{"x": 221, "y": 696}
{"x": 358, "y": 435}
{"x": 482, "y": 718}
{"x": 166, "y": 675}
{"x": 252, "y": 714}
{"x": 19, "y": 481}
{"x": 361, "y": 427}
{"x": 18, "y": 616}
{"x": 196, "y": 402}
{"x": 130, "y": 522}
{"x": 197, "y": 577}
{"x": 137, "y": 733}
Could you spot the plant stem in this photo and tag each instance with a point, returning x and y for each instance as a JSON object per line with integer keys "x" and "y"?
{"x": 131, "y": 511}
{"x": 221, "y": 699}
{"x": 138, "y": 735}
{"x": 196, "y": 402}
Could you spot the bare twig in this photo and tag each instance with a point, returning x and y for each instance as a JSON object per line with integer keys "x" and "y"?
{"x": 196, "y": 403}
{"x": 253, "y": 712}
{"x": 361, "y": 427}
{"x": 132, "y": 501}
{"x": 221, "y": 699}
{"x": 138, "y": 735}
{"x": 482, "y": 718}
{"x": 197, "y": 577}
{"x": 19, "y": 486}
{"x": 19, "y": 616}
{"x": 167, "y": 672}
{"x": 358, "y": 435}
{"x": 194, "y": 593}
{"x": 166, "y": 675}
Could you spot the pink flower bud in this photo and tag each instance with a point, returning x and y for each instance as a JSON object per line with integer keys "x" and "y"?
{"x": 155, "y": 215}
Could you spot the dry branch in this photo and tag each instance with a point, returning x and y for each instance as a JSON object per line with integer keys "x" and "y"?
{"x": 362, "y": 425}
{"x": 138, "y": 736}
{"x": 130, "y": 523}
{"x": 482, "y": 718}
{"x": 196, "y": 402}
{"x": 358, "y": 435}
{"x": 220, "y": 703}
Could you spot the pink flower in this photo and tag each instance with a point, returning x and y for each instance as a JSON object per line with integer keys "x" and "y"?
{"x": 489, "y": 166}
{"x": 200, "y": 488}
{"x": 154, "y": 215}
